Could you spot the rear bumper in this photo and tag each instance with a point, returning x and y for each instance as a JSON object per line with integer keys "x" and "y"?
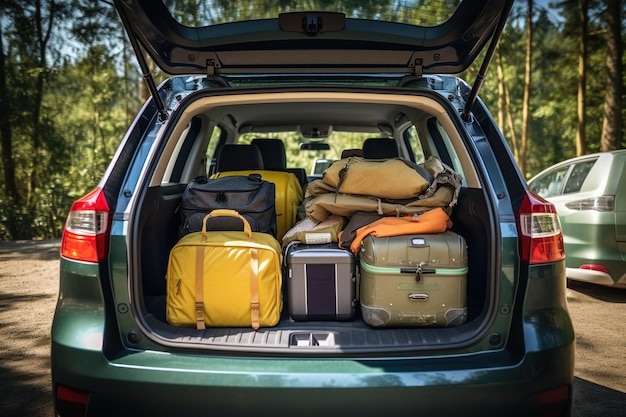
{"x": 166, "y": 384}
{"x": 596, "y": 277}
{"x": 126, "y": 382}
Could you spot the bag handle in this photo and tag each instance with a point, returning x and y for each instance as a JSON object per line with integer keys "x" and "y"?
{"x": 226, "y": 213}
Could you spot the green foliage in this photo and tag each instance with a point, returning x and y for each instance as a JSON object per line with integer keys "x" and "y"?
{"x": 209, "y": 12}
{"x": 554, "y": 81}
{"x": 67, "y": 115}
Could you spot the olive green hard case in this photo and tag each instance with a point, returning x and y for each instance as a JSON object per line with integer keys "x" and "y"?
{"x": 414, "y": 280}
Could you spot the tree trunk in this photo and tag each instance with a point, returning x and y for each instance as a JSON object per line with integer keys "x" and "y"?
{"x": 504, "y": 106}
{"x": 612, "y": 123}
{"x": 42, "y": 39}
{"x": 581, "y": 137}
{"x": 527, "y": 83}
{"x": 12, "y": 197}
{"x": 509, "y": 121}
{"x": 500, "y": 89}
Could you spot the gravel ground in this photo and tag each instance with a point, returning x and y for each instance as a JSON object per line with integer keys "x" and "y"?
{"x": 29, "y": 287}
{"x": 28, "y": 292}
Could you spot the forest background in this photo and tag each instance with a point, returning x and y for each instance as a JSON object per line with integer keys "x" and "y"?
{"x": 70, "y": 87}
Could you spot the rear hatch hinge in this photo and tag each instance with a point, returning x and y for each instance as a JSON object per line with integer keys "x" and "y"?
{"x": 211, "y": 68}
{"x": 418, "y": 68}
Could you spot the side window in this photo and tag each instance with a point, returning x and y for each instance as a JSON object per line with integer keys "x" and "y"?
{"x": 210, "y": 156}
{"x": 446, "y": 150}
{"x": 412, "y": 141}
{"x": 184, "y": 146}
{"x": 577, "y": 177}
{"x": 550, "y": 184}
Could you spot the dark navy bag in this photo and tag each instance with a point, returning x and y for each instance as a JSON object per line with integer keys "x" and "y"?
{"x": 249, "y": 195}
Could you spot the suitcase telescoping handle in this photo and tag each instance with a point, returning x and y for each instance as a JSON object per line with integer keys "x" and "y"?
{"x": 227, "y": 213}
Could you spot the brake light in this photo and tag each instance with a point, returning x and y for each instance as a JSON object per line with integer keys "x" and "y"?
{"x": 602, "y": 203}
{"x": 85, "y": 237}
{"x": 541, "y": 240}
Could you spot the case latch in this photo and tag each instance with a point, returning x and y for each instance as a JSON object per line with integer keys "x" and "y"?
{"x": 419, "y": 271}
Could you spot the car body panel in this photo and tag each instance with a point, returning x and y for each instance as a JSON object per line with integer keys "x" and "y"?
{"x": 617, "y": 181}
{"x": 80, "y": 306}
{"x": 308, "y": 390}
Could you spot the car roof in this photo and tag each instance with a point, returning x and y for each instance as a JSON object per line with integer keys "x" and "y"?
{"x": 576, "y": 159}
{"x": 316, "y": 42}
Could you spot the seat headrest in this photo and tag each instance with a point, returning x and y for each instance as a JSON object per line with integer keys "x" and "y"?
{"x": 239, "y": 158}
{"x": 272, "y": 152}
{"x": 380, "y": 148}
{"x": 351, "y": 152}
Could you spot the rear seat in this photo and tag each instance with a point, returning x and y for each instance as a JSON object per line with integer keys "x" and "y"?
{"x": 380, "y": 148}
{"x": 237, "y": 157}
{"x": 346, "y": 153}
{"x": 275, "y": 158}
{"x": 272, "y": 152}
{"x": 242, "y": 160}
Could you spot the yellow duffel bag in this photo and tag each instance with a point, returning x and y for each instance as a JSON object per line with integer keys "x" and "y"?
{"x": 224, "y": 278}
{"x": 289, "y": 195}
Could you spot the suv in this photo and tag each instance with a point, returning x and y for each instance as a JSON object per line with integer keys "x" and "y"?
{"x": 589, "y": 193}
{"x": 322, "y": 77}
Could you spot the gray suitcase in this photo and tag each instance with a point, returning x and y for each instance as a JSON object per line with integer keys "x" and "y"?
{"x": 321, "y": 282}
{"x": 414, "y": 280}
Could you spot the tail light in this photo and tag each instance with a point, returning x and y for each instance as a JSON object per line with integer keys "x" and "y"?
{"x": 602, "y": 203}
{"x": 86, "y": 237}
{"x": 541, "y": 240}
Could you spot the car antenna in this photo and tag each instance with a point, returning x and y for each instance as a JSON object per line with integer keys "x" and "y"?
{"x": 482, "y": 72}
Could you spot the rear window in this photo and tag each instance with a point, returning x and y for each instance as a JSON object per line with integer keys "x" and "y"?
{"x": 549, "y": 185}
{"x": 201, "y": 13}
{"x": 314, "y": 161}
{"x": 577, "y": 177}
{"x": 565, "y": 180}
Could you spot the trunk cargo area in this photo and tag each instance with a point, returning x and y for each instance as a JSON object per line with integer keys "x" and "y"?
{"x": 156, "y": 237}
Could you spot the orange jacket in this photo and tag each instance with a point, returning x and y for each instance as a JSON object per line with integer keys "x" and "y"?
{"x": 432, "y": 221}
